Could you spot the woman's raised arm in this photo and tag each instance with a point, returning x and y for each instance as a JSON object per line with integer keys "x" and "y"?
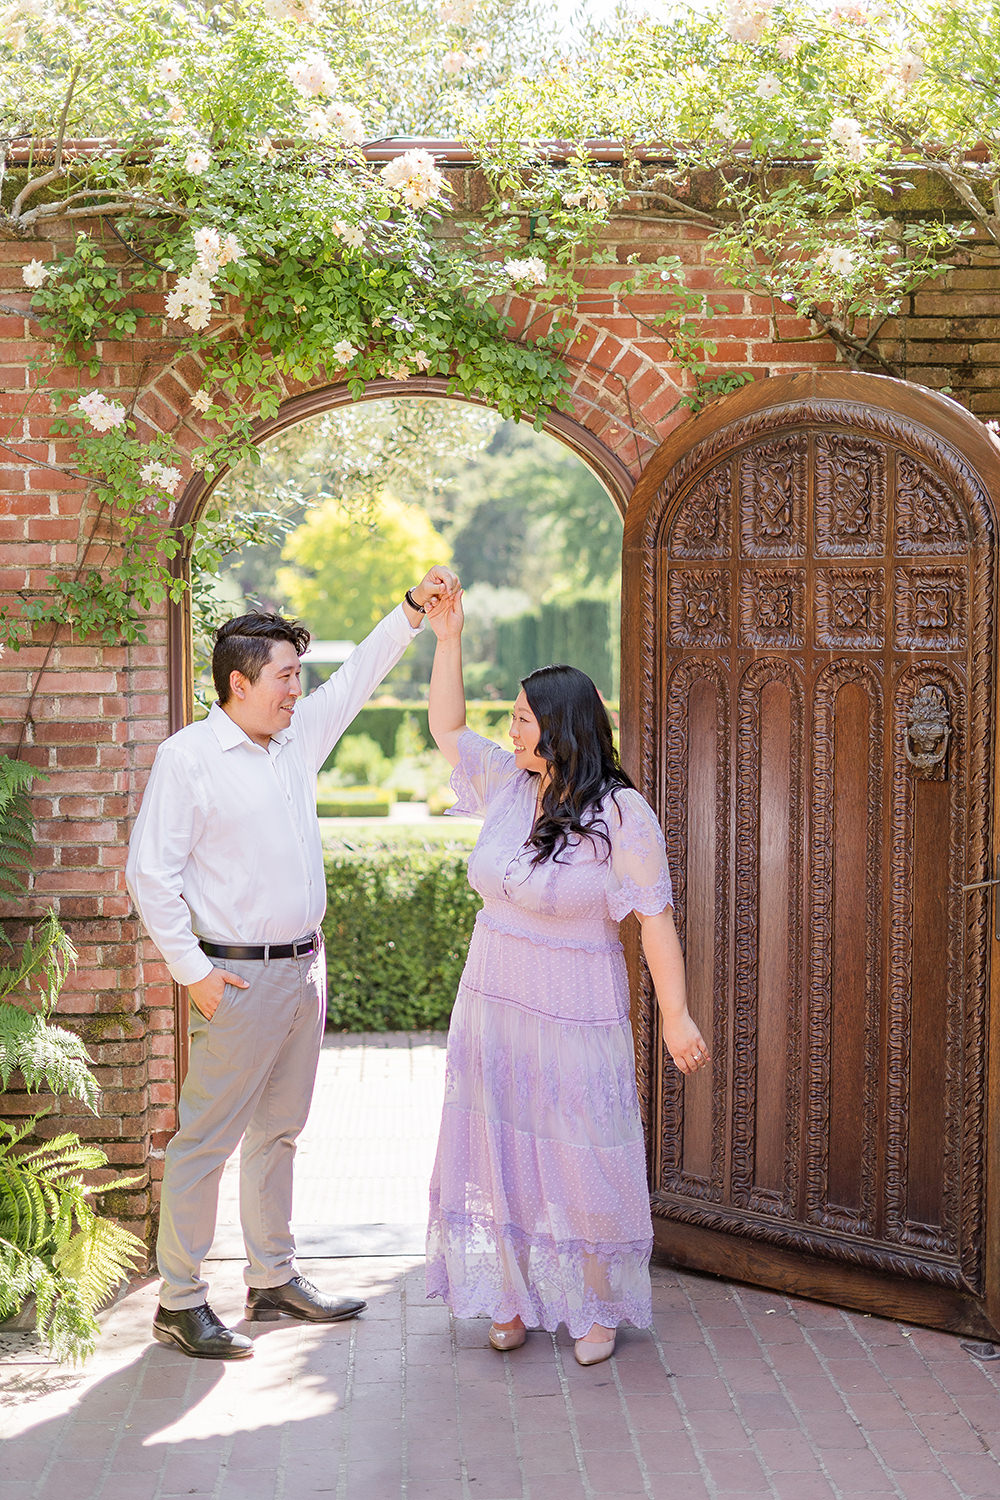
{"x": 446, "y": 703}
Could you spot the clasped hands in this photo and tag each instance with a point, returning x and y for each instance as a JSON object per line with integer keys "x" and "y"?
{"x": 437, "y": 586}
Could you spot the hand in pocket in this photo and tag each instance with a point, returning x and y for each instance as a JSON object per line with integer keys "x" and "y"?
{"x": 206, "y": 994}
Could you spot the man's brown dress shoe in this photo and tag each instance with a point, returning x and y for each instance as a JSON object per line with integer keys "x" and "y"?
{"x": 298, "y": 1298}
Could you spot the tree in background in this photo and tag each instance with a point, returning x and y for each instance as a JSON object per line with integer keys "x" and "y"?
{"x": 343, "y": 576}
{"x": 526, "y": 522}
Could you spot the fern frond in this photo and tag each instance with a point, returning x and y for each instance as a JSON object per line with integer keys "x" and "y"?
{"x": 98, "y": 1258}
{"x": 21, "y": 1273}
{"x": 46, "y": 1055}
{"x": 63, "y": 1155}
{"x": 15, "y": 824}
{"x": 26, "y": 1217}
{"x": 44, "y": 961}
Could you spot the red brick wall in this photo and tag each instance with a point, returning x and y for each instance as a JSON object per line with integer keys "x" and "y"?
{"x": 90, "y": 716}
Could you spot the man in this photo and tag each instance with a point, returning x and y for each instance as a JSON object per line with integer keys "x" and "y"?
{"x": 226, "y": 868}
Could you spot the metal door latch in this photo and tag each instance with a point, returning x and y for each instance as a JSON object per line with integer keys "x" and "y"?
{"x": 981, "y": 885}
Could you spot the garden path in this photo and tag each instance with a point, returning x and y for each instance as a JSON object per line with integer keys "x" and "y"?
{"x": 734, "y": 1394}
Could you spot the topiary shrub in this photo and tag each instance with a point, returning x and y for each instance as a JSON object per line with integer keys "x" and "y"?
{"x": 397, "y": 929}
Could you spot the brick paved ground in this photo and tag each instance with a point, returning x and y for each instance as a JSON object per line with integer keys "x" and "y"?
{"x": 734, "y": 1393}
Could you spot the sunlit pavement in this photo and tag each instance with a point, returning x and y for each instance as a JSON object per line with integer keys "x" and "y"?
{"x": 735, "y": 1392}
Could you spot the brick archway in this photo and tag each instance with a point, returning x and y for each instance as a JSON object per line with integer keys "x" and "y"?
{"x": 103, "y": 707}
{"x": 615, "y": 478}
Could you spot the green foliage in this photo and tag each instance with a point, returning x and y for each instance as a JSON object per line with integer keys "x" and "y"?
{"x": 580, "y": 632}
{"x": 38, "y": 970}
{"x": 401, "y": 728}
{"x": 53, "y": 1245}
{"x": 334, "y": 263}
{"x": 397, "y": 930}
{"x": 15, "y": 824}
{"x": 360, "y": 762}
{"x": 835, "y": 157}
{"x": 346, "y": 576}
{"x": 354, "y": 802}
{"x": 46, "y": 1055}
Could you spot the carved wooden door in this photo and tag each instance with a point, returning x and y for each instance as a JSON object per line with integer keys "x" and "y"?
{"x": 809, "y": 662}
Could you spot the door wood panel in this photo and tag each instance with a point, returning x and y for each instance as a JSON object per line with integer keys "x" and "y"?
{"x": 808, "y": 698}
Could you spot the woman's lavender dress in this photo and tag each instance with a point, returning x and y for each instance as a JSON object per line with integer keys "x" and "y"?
{"x": 539, "y": 1204}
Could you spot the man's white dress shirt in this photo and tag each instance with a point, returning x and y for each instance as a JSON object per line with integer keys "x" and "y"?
{"x": 227, "y": 844}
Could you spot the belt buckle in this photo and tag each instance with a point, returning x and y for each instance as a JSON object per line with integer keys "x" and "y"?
{"x": 303, "y": 947}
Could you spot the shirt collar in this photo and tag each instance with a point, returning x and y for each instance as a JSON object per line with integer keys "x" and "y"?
{"x": 229, "y": 734}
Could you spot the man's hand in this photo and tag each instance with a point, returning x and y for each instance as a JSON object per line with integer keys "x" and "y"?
{"x": 438, "y": 581}
{"x": 206, "y": 993}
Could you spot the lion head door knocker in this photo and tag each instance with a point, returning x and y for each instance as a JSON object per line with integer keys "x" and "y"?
{"x": 928, "y": 733}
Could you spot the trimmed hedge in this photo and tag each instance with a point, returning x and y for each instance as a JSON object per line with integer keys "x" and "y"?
{"x": 397, "y": 930}
{"x": 382, "y": 722}
{"x": 354, "y": 802}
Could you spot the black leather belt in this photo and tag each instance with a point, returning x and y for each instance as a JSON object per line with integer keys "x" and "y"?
{"x": 300, "y": 949}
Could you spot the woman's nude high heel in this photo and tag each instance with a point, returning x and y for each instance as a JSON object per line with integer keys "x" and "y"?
{"x": 503, "y": 1339}
{"x": 589, "y": 1352}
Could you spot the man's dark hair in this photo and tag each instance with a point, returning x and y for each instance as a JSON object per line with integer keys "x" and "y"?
{"x": 244, "y": 645}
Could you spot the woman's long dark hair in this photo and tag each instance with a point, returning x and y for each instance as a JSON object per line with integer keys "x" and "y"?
{"x": 576, "y": 741}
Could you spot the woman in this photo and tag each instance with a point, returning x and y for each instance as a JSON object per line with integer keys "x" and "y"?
{"x": 539, "y": 1203}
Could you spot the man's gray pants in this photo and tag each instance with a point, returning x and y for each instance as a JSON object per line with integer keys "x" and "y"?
{"x": 251, "y": 1074}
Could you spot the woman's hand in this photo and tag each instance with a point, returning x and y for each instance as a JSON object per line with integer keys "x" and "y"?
{"x": 437, "y": 584}
{"x": 685, "y": 1042}
{"x": 446, "y": 616}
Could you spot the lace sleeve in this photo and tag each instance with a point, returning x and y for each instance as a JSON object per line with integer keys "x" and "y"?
{"x": 483, "y": 768}
{"x": 639, "y": 878}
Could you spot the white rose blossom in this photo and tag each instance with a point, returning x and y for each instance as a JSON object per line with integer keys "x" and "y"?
{"x": 846, "y": 134}
{"x": 312, "y": 76}
{"x": 162, "y": 476}
{"x": 347, "y": 121}
{"x": 197, "y": 161}
{"x": 908, "y": 67}
{"x": 769, "y": 86}
{"x": 344, "y": 351}
{"x": 351, "y": 234}
{"x": 316, "y": 125}
{"x": 747, "y": 20}
{"x": 34, "y": 273}
{"x": 101, "y": 413}
{"x": 457, "y": 12}
{"x": 201, "y": 401}
{"x": 453, "y": 63}
{"x": 838, "y": 259}
{"x": 415, "y": 178}
{"x": 169, "y": 70}
{"x": 191, "y": 299}
{"x": 531, "y": 271}
{"x": 302, "y": 12}
{"x": 788, "y": 47}
{"x": 175, "y": 109}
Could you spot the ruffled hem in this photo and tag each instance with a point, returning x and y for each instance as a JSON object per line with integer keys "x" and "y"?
{"x": 545, "y": 939}
{"x": 555, "y": 1289}
{"x": 645, "y": 899}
